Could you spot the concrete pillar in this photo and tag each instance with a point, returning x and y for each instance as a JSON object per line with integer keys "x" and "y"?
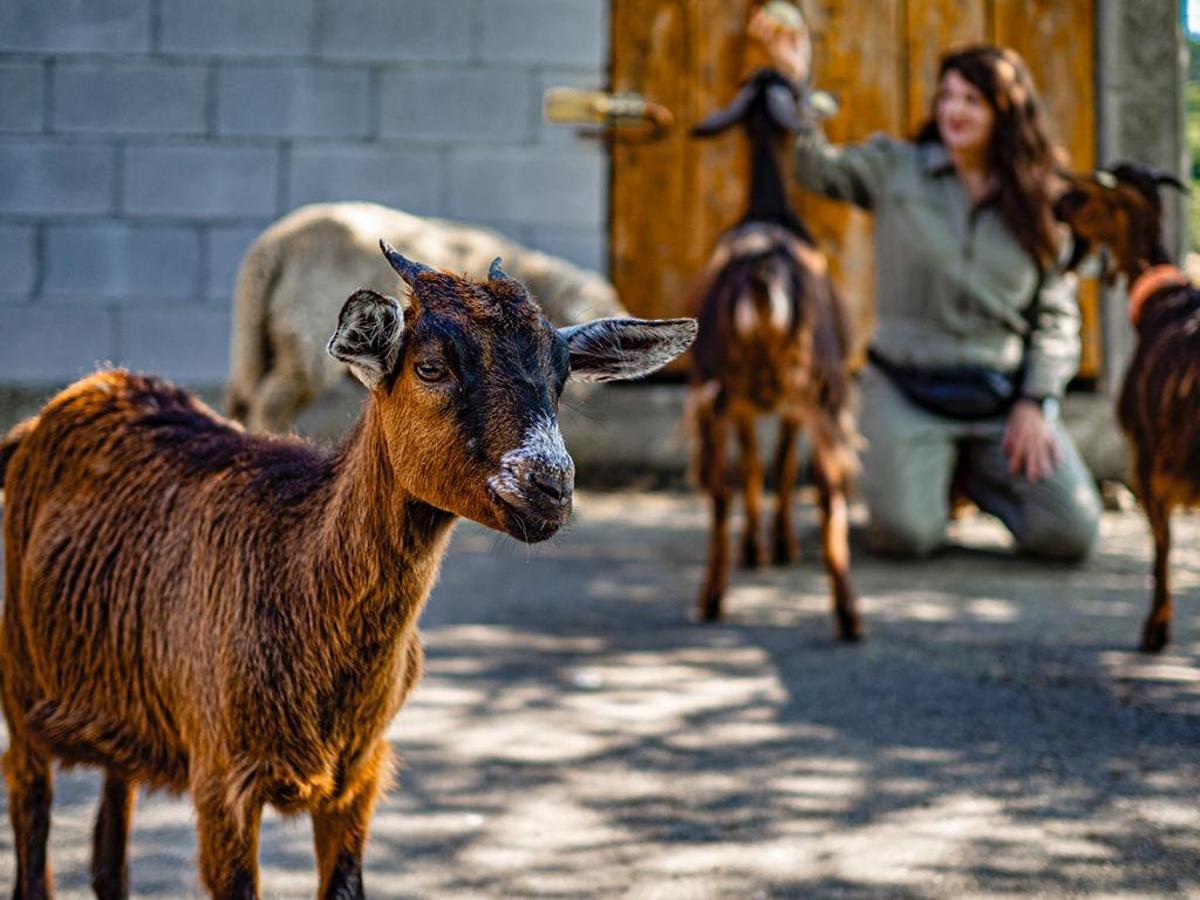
{"x": 1141, "y": 70}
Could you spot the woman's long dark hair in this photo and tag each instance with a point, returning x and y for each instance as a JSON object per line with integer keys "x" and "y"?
{"x": 1020, "y": 155}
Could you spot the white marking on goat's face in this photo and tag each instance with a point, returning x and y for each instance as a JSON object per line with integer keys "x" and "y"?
{"x": 542, "y": 449}
{"x": 535, "y": 482}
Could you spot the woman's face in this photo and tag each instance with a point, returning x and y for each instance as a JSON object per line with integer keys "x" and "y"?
{"x": 964, "y": 117}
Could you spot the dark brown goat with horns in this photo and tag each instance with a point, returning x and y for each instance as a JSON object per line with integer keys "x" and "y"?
{"x": 1159, "y": 406}
{"x": 195, "y": 608}
{"x": 773, "y": 340}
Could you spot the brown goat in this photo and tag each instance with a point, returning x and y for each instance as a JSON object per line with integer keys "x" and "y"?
{"x": 773, "y": 341}
{"x": 1159, "y": 405}
{"x": 195, "y": 608}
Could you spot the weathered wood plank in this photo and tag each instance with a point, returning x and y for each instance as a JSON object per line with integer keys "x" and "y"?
{"x": 932, "y": 28}
{"x": 857, "y": 55}
{"x": 1057, "y": 40}
{"x": 650, "y": 190}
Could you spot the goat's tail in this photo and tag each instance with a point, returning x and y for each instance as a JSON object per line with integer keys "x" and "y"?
{"x": 11, "y": 441}
{"x": 249, "y": 348}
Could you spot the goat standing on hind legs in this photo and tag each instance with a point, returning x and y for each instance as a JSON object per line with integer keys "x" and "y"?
{"x": 195, "y": 608}
{"x": 773, "y": 341}
{"x": 1159, "y": 405}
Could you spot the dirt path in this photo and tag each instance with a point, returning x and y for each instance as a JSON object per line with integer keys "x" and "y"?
{"x": 576, "y": 735}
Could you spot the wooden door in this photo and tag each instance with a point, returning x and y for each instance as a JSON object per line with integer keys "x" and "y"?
{"x": 670, "y": 200}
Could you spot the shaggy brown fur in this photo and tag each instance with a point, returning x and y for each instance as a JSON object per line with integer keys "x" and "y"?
{"x": 1159, "y": 406}
{"x": 195, "y": 608}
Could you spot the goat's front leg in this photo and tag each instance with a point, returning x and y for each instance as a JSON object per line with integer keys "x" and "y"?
{"x": 1156, "y": 630}
{"x": 752, "y": 488}
{"x": 714, "y": 429}
{"x": 830, "y": 474}
{"x": 110, "y": 871}
{"x": 30, "y": 792}
{"x": 783, "y": 535}
{"x": 228, "y": 842}
{"x": 340, "y": 832}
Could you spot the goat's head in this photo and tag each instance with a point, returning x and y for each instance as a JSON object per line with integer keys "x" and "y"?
{"x": 1117, "y": 208}
{"x": 466, "y": 380}
{"x": 767, "y": 97}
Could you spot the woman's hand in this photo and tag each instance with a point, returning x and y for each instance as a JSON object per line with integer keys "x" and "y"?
{"x": 790, "y": 50}
{"x": 1029, "y": 442}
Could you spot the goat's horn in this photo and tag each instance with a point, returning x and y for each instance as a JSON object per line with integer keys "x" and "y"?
{"x": 494, "y": 271}
{"x": 405, "y": 268}
{"x": 1170, "y": 181}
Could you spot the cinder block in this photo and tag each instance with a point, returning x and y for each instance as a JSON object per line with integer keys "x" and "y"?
{"x": 226, "y": 247}
{"x": 401, "y": 177}
{"x": 120, "y": 261}
{"x": 21, "y": 88}
{"x": 18, "y": 259}
{"x": 187, "y": 345}
{"x": 48, "y": 343}
{"x": 237, "y": 27}
{"x": 293, "y": 101}
{"x": 386, "y": 31}
{"x": 200, "y": 181}
{"x": 472, "y": 104}
{"x": 586, "y": 246}
{"x": 130, "y": 99}
{"x": 544, "y": 32}
{"x": 75, "y": 26}
{"x": 45, "y": 177}
{"x": 529, "y": 184}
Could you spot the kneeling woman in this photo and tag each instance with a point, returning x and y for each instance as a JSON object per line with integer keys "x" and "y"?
{"x": 977, "y": 332}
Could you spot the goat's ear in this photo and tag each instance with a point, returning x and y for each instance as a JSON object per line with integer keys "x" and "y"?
{"x": 368, "y": 336}
{"x": 1080, "y": 248}
{"x": 783, "y": 109}
{"x": 1161, "y": 178}
{"x": 618, "y": 349}
{"x": 725, "y": 118}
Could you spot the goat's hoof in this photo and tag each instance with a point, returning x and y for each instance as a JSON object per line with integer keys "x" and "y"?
{"x": 752, "y": 556}
{"x": 850, "y": 628}
{"x": 1155, "y": 636}
{"x": 709, "y": 608}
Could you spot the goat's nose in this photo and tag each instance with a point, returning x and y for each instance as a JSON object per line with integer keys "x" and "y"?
{"x": 557, "y": 484}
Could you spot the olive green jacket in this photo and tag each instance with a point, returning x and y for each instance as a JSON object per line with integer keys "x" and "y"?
{"x": 952, "y": 284}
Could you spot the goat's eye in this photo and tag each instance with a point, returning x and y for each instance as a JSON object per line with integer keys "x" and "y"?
{"x": 431, "y": 371}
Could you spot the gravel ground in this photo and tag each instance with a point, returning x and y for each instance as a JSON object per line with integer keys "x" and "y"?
{"x": 576, "y": 734}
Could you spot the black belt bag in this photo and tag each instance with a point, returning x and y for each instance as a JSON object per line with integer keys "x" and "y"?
{"x": 957, "y": 392}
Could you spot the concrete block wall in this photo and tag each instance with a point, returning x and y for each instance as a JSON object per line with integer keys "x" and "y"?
{"x": 144, "y": 143}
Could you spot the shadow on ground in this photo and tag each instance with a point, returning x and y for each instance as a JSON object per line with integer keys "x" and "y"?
{"x": 577, "y": 734}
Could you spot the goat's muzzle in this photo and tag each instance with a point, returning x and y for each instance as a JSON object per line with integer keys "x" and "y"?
{"x": 533, "y": 495}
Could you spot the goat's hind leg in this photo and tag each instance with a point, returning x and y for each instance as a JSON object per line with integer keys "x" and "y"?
{"x": 752, "y": 490}
{"x": 714, "y": 427}
{"x": 830, "y": 472}
{"x": 110, "y": 870}
{"x": 30, "y": 792}
{"x": 1156, "y": 630}
{"x": 783, "y": 534}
